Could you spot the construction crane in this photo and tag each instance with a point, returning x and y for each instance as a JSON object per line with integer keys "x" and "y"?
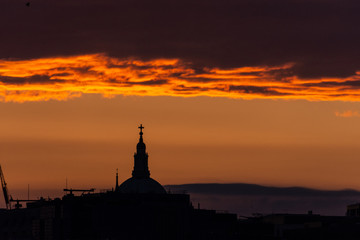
{"x": 18, "y": 204}
{"x": 5, "y": 190}
{"x": 79, "y": 190}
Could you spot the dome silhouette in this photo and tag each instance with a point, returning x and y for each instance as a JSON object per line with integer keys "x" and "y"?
{"x": 141, "y": 182}
{"x": 141, "y": 185}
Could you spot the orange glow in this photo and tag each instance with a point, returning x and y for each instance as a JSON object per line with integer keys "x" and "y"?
{"x": 347, "y": 114}
{"x": 62, "y": 78}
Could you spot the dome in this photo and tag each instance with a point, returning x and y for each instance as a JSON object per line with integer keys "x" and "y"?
{"x": 141, "y": 185}
{"x": 141, "y": 182}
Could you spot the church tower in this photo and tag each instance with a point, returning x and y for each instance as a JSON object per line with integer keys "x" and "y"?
{"x": 141, "y": 182}
{"x": 141, "y": 168}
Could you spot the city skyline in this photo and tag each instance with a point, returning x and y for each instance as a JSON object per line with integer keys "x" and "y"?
{"x": 229, "y": 92}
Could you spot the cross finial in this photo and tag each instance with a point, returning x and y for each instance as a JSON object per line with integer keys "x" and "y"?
{"x": 141, "y": 128}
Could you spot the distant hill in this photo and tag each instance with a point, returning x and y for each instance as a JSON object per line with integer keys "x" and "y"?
{"x": 247, "y": 199}
{"x": 254, "y": 189}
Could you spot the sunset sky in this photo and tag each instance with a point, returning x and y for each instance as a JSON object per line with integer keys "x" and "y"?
{"x": 251, "y": 91}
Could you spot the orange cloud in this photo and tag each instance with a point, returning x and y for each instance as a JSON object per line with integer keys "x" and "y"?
{"x": 62, "y": 78}
{"x": 347, "y": 114}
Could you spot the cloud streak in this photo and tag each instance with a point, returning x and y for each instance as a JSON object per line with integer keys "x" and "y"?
{"x": 347, "y": 114}
{"x": 62, "y": 78}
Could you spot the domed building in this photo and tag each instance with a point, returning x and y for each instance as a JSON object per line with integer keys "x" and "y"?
{"x": 138, "y": 209}
{"x": 141, "y": 182}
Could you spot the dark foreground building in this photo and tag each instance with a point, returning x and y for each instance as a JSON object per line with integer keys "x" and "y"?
{"x": 141, "y": 209}
{"x": 300, "y": 227}
{"x": 138, "y": 209}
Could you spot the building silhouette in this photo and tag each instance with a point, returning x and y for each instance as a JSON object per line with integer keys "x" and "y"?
{"x": 141, "y": 209}
{"x": 138, "y": 209}
{"x": 140, "y": 182}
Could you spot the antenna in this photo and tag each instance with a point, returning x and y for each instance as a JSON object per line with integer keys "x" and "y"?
{"x": 117, "y": 180}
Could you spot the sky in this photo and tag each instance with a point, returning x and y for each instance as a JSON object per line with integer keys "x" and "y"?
{"x": 252, "y": 91}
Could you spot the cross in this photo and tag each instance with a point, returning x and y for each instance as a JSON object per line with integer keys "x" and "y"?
{"x": 141, "y": 128}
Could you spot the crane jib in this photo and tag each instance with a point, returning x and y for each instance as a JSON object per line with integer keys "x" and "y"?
{"x": 4, "y": 188}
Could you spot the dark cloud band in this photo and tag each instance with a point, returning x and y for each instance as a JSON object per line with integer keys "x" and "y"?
{"x": 319, "y": 36}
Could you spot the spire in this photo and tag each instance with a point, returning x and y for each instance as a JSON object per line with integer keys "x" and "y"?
{"x": 141, "y": 145}
{"x": 141, "y": 133}
{"x": 141, "y": 169}
{"x": 117, "y": 179}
